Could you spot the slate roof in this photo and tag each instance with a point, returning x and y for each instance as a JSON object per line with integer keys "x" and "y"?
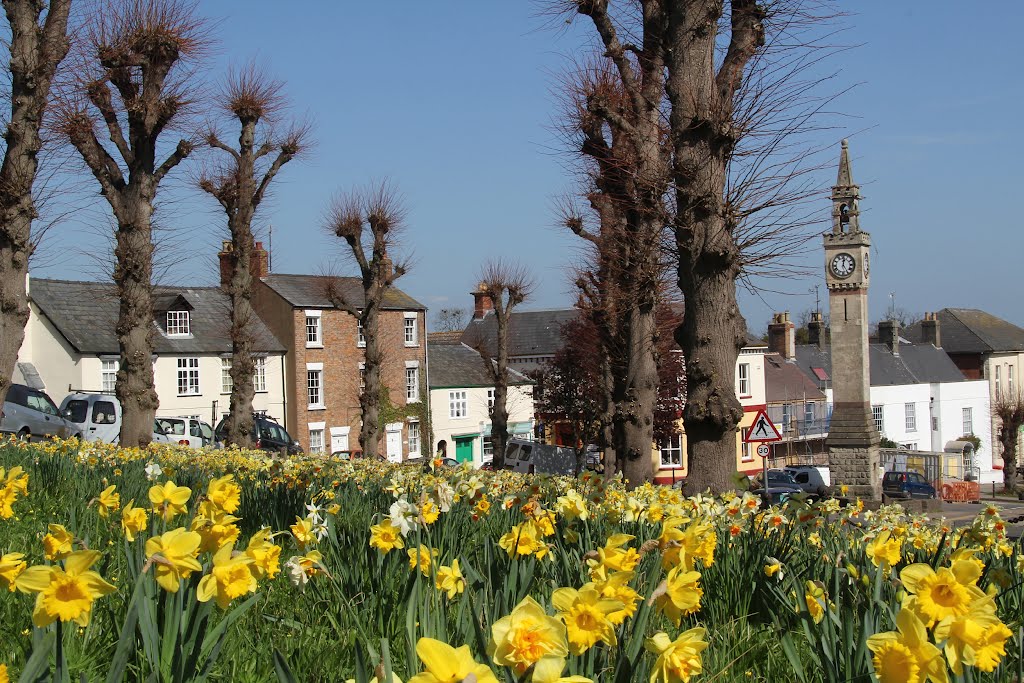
{"x": 309, "y": 291}
{"x": 531, "y": 333}
{"x": 915, "y": 364}
{"x": 969, "y": 330}
{"x": 785, "y": 381}
{"x": 85, "y": 313}
{"x": 457, "y": 365}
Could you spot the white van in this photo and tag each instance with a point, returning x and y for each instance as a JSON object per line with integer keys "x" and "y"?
{"x": 98, "y": 417}
{"x": 187, "y": 431}
{"x": 530, "y": 457}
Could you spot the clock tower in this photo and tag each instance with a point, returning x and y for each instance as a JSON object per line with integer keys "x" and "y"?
{"x": 852, "y": 440}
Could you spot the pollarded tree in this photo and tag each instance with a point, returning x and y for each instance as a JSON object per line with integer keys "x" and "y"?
{"x": 1008, "y": 408}
{"x": 239, "y": 183}
{"x": 369, "y": 222}
{"x": 38, "y": 43}
{"x": 134, "y": 82}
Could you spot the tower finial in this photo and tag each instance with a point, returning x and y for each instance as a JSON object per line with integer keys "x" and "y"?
{"x": 845, "y": 178}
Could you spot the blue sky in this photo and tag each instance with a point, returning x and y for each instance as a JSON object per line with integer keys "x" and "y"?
{"x": 453, "y": 102}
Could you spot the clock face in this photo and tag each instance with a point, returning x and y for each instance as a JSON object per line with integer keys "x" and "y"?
{"x": 842, "y": 265}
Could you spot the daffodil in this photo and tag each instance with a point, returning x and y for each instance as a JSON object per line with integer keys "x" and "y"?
{"x": 520, "y": 639}
{"x": 386, "y": 536}
{"x": 522, "y": 540}
{"x": 133, "y": 520}
{"x": 814, "y": 598}
{"x": 679, "y": 594}
{"x": 549, "y": 670}
{"x": 224, "y": 493}
{"x": 16, "y": 478}
{"x": 11, "y": 567}
{"x": 422, "y": 558}
{"x": 302, "y": 530}
{"x": 108, "y": 501}
{"x": 8, "y": 496}
{"x": 905, "y": 655}
{"x": 614, "y": 556}
{"x": 773, "y": 568}
{"x": 677, "y": 660}
{"x": 616, "y": 587}
{"x": 57, "y": 543}
{"x": 66, "y": 594}
{"x": 4, "y": 678}
{"x": 174, "y": 556}
{"x": 936, "y": 595}
{"x": 216, "y": 527}
{"x": 977, "y": 638}
{"x": 303, "y": 567}
{"x": 884, "y": 550}
{"x": 229, "y": 578}
{"x": 585, "y": 613}
{"x": 265, "y": 555}
{"x": 169, "y": 500}
{"x": 572, "y": 506}
{"x": 450, "y": 580}
{"x": 446, "y": 664}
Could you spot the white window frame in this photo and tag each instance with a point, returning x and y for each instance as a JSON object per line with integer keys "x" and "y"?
{"x": 360, "y": 337}
{"x": 412, "y": 381}
{"x": 490, "y": 399}
{"x": 315, "y": 372}
{"x": 188, "y": 376}
{"x": 108, "y": 374}
{"x": 910, "y": 416}
{"x": 808, "y": 415}
{"x": 878, "y": 415}
{"x": 671, "y": 452}
{"x": 967, "y": 416}
{"x": 411, "y": 332}
{"x": 227, "y": 385}
{"x": 1009, "y": 379}
{"x": 787, "y": 417}
{"x": 179, "y": 324}
{"x": 362, "y": 378}
{"x": 458, "y": 404}
{"x": 487, "y": 448}
{"x": 314, "y": 329}
{"x": 317, "y": 430}
{"x": 259, "y": 374}
{"x": 415, "y": 438}
{"x": 743, "y": 386}
{"x": 997, "y": 381}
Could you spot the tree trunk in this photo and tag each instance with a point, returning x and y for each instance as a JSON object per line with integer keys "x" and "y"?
{"x": 34, "y": 56}
{"x": 499, "y": 411}
{"x": 369, "y": 401}
{"x": 133, "y": 275}
{"x": 1008, "y": 439}
{"x": 239, "y": 424}
{"x": 637, "y": 424}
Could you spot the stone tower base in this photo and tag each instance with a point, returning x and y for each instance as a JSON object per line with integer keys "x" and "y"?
{"x": 857, "y": 467}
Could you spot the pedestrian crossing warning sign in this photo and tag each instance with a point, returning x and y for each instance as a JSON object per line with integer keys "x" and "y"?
{"x": 762, "y": 430}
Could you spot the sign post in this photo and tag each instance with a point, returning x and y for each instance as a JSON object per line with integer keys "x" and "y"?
{"x": 762, "y": 432}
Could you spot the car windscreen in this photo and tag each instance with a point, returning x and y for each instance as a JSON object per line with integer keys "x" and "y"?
{"x": 76, "y": 410}
{"x": 42, "y": 403}
{"x": 207, "y": 430}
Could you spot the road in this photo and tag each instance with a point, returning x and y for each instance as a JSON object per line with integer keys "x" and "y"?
{"x": 962, "y": 514}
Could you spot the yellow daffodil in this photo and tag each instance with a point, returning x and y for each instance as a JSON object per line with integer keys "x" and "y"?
{"x": 523, "y": 539}
{"x": 613, "y": 556}
{"x": 11, "y": 567}
{"x": 520, "y": 639}
{"x": 773, "y": 568}
{"x": 4, "y": 678}
{"x": 302, "y": 530}
{"x": 8, "y": 496}
{"x": 678, "y": 660}
{"x": 66, "y": 594}
{"x": 450, "y": 580}
{"x": 977, "y": 638}
{"x": 585, "y": 613}
{"x": 58, "y": 543}
{"x": 906, "y": 655}
{"x": 133, "y": 520}
{"x": 884, "y": 550}
{"x": 169, "y": 500}
{"x": 679, "y": 594}
{"x": 549, "y": 670}
{"x": 936, "y": 595}
{"x": 266, "y": 557}
{"x": 108, "y": 501}
{"x": 217, "y": 528}
{"x": 572, "y": 506}
{"x": 386, "y": 536}
{"x": 429, "y": 512}
{"x": 814, "y": 598}
{"x": 224, "y": 493}
{"x": 16, "y": 478}
{"x": 446, "y": 664}
{"x": 174, "y": 556}
{"x": 422, "y": 558}
{"x": 229, "y": 578}
{"x": 616, "y": 587}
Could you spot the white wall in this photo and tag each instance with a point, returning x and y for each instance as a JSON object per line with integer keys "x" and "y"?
{"x": 1006, "y": 363}
{"x": 477, "y": 422}
{"x": 165, "y": 374}
{"x": 755, "y": 359}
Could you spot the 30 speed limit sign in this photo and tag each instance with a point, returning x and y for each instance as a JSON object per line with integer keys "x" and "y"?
{"x": 763, "y": 450}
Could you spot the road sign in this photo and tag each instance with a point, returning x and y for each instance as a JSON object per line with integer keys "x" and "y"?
{"x": 763, "y": 450}
{"x": 762, "y": 430}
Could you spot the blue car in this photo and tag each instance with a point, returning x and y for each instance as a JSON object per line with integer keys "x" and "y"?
{"x": 906, "y": 485}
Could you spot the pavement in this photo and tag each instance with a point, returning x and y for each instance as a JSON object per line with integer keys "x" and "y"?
{"x": 962, "y": 514}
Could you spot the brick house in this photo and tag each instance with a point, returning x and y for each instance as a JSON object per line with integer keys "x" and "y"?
{"x": 324, "y": 360}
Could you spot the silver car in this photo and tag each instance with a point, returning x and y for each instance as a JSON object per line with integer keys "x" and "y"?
{"x": 29, "y": 412}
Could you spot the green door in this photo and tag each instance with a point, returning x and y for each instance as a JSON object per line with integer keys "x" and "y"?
{"x": 464, "y": 449}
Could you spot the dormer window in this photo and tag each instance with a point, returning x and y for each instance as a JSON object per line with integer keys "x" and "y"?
{"x": 178, "y": 324}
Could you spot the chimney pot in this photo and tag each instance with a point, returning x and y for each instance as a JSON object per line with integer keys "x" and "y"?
{"x": 889, "y": 334}
{"x": 482, "y": 302}
{"x": 930, "y": 333}
{"x": 782, "y": 336}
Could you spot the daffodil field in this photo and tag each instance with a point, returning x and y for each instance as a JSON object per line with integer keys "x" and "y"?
{"x": 175, "y": 565}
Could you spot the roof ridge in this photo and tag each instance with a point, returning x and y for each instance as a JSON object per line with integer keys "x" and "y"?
{"x": 968, "y": 327}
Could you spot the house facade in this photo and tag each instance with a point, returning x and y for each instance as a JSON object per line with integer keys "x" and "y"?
{"x": 70, "y": 344}
{"x": 461, "y": 395}
{"x": 324, "y": 363}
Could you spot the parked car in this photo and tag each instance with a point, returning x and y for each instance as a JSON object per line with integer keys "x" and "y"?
{"x": 97, "y": 417}
{"x": 813, "y": 479}
{"x": 187, "y": 431}
{"x": 532, "y": 457}
{"x": 900, "y": 484}
{"x": 267, "y": 435}
{"x": 30, "y": 412}
{"x": 781, "y": 487}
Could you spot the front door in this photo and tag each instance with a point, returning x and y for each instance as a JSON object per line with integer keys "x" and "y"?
{"x": 464, "y": 449}
{"x": 339, "y": 439}
{"x": 394, "y": 442}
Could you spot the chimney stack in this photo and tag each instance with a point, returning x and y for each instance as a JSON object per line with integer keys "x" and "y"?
{"x": 782, "y": 336}
{"x": 259, "y": 262}
{"x": 816, "y": 333}
{"x": 889, "y": 334}
{"x": 482, "y": 302}
{"x": 930, "y": 330}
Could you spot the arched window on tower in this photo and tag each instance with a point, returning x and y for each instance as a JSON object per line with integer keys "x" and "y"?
{"x": 844, "y": 217}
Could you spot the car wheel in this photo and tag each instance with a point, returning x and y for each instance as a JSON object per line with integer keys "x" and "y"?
{"x": 25, "y": 434}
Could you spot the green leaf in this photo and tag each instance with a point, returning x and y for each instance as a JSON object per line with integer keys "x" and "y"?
{"x": 281, "y": 668}
{"x": 37, "y": 667}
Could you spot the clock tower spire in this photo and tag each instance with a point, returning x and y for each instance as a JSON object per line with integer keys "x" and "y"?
{"x": 853, "y": 440}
